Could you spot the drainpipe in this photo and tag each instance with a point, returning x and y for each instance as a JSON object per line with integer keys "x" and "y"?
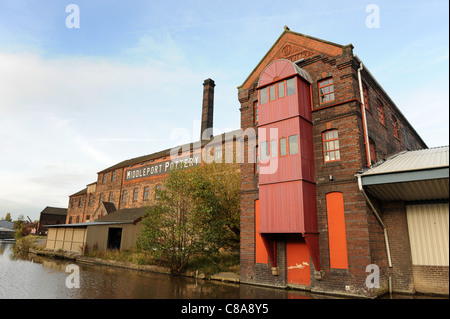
{"x": 386, "y": 240}
{"x": 363, "y": 112}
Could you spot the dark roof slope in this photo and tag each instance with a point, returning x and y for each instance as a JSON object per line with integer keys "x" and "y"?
{"x": 110, "y": 207}
{"x": 54, "y": 211}
{"x": 82, "y": 192}
{"x": 125, "y": 214}
{"x": 166, "y": 152}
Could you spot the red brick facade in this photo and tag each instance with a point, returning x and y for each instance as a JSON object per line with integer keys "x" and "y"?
{"x": 388, "y": 132}
{"x": 365, "y": 241}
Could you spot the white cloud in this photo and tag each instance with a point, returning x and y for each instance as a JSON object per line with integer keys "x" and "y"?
{"x": 66, "y": 118}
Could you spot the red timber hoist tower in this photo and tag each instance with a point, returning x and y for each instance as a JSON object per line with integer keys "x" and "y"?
{"x": 287, "y": 190}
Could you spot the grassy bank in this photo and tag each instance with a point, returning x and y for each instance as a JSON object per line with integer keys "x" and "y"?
{"x": 223, "y": 262}
{"x": 23, "y": 244}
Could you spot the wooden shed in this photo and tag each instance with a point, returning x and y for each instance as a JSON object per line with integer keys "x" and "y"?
{"x": 117, "y": 230}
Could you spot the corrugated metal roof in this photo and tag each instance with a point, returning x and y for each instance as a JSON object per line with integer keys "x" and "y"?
{"x": 413, "y": 160}
{"x": 410, "y": 191}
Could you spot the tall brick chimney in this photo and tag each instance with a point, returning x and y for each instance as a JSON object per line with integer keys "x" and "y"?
{"x": 207, "y": 110}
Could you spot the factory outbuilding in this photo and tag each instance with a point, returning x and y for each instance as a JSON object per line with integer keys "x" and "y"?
{"x": 409, "y": 193}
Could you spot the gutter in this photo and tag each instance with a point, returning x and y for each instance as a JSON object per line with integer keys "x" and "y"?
{"x": 386, "y": 239}
{"x": 363, "y": 112}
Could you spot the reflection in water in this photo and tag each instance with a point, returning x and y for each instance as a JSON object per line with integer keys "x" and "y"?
{"x": 39, "y": 277}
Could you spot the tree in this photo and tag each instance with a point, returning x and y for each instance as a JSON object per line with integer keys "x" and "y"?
{"x": 8, "y": 217}
{"x": 170, "y": 227}
{"x": 218, "y": 199}
{"x": 196, "y": 212}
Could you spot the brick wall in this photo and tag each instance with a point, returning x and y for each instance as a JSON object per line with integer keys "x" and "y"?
{"x": 365, "y": 238}
{"x": 431, "y": 279}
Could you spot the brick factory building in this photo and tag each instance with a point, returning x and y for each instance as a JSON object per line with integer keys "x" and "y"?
{"x": 321, "y": 117}
{"x": 312, "y": 118}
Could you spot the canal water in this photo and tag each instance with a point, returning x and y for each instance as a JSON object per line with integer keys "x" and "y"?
{"x": 45, "y": 278}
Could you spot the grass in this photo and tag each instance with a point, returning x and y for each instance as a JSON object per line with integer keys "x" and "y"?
{"x": 132, "y": 255}
{"x": 209, "y": 265}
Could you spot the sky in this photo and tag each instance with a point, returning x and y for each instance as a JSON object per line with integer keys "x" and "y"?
{"x": 76, "y": 98}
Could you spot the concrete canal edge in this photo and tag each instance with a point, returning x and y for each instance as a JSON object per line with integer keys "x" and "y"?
{"x": 78, "y": 258}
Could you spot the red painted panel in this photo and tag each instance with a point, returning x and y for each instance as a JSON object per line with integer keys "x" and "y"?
{"x": 275, "y": 71}
{"x": 336, "y": 230}
{"x": 260, "y": 251}
{"x": 287, "y": 195}
{"x": 298, "y": 104}
{"x": 297, "y": 259}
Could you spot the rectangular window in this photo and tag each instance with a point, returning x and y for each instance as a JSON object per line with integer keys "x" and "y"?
{"x": 218, "y": 153}
{"x": 273, "y": 148}
{"x": 281, "y": 90}
{"x": 157, "y": 190}
{"x": 283, "y": 146}
{"x": 263, "y": 95}
{"x": 293, "y": 145}
{"x": 124, "y": 196}
{"x": 102, "y": 197}
{"x": 381, "y": 112}
{"x": 255, "y": 112}
{"x": 366, "y": 97}
{"x": 135, "y": 194}
{"x": 111, "y": 197}
{"x": 326, "y": 91}
{"x": 331, "y": 146}
{"x": 91, "y": 196}
{"x": 256, "y": 160}
{"x": 272, "y": 92}
{"x": 395, "y": 124}
{"x": 146, "y": 192}
{"x": 264, "y": 151}
{"x": 372, "y": 151}
{"x": 113, "y": 176}
{"x": 104, "y": 178}
{"x": 290, "y": 85}
{"x": 336, "y": 230}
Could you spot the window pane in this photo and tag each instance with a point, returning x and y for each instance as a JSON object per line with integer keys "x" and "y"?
{"x": 336, "y": 145}
{"x": 338, "y": 156}
{"x": 273, "y": 148}
{"x": 293, "y": 144}
{"x": 283, "y": 145}
{"x": 281, "y": 89}
{"x": 290, "y": 86}
{"x": 264, "y": 151}
{"x": 263, "y": 95}
{"x": 272, "y": 92}
{"x": 331, "y": 156}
